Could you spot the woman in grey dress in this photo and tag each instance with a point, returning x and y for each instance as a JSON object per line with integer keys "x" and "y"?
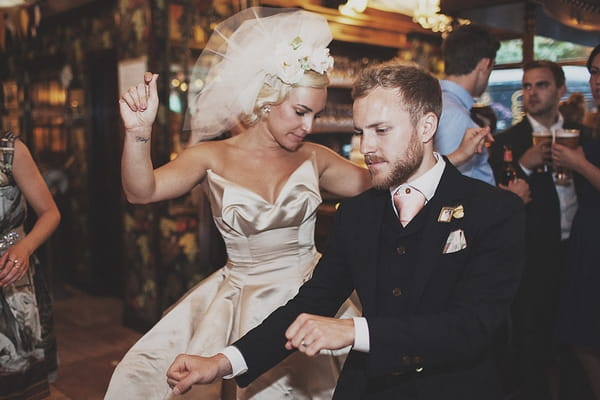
{"x": 27, "y": 345}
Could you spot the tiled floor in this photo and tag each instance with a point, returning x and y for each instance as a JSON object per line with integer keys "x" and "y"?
{"x": 91, "y": 339}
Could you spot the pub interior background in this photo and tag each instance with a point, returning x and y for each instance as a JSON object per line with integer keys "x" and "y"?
{"x": 63, "y": 64}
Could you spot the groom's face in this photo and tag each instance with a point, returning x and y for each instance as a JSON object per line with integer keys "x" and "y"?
{"x": 392, "y": 148}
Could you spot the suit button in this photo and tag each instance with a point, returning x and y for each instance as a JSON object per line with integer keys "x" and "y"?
{"x": 396, "y": 292}
{"x": 401, "y": 250}
{"x": 406, "y": 361}
{"x": 419, "y": 370}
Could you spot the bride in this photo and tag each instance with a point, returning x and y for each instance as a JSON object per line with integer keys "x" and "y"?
{"x": 265, "y": 71}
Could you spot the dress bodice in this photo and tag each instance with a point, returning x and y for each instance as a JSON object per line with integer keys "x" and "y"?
{"x": 257, "y": 232}
{"x": 271, "y": 253}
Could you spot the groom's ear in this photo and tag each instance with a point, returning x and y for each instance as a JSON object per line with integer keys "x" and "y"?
{"x": 427, "y": 126}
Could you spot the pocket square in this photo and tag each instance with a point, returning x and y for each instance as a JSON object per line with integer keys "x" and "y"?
{"x": 456, "y": 241}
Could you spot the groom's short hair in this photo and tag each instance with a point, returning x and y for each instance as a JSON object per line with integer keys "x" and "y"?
{"x": 418, "y": 91}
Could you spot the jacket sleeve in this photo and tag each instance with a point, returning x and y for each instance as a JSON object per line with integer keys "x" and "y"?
{"x": 323, "y": 294}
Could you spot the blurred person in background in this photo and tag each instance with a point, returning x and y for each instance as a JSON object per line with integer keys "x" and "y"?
{"x": 28, "y": 356}
{"x": 549, "y": 217}
{"x": 579, "y": 316}
{"x": 592, "y": 118}
{"x": 469, "y": 53}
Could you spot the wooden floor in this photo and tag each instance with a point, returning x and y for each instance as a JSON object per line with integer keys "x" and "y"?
{"x": 91, "y": 340}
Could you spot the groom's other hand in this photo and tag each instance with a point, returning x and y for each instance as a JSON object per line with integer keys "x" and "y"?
{"x": 312, "y": 333}
{"x": 188, "y": 370}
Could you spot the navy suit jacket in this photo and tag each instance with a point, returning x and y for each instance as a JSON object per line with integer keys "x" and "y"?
{"x": 543, "y": 215}
{"x": 442, "y": 343}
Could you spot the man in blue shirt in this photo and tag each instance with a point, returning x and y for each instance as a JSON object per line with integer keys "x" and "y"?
{"x": 469, "y": 54}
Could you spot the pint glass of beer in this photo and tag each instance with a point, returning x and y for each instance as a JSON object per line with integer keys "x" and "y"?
{"x": 569, "y": 138}
{"x": 540, "y": 137}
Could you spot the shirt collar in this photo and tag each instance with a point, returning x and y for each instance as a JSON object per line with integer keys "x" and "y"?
{"x": 426, "y": 183}
{"x": 537, "y": 127}
{"x": 459, "y": 92}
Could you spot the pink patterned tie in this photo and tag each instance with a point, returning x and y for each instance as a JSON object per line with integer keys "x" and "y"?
{"x": 408, "y": 203}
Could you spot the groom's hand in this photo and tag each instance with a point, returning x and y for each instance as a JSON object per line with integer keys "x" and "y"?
{"x": 313, "y": 333}
{"x": 188, "y": 370}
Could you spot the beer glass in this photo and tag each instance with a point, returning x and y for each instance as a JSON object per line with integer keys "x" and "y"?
{"x": 539, "y": 137}
{"x": 569, "y": 138}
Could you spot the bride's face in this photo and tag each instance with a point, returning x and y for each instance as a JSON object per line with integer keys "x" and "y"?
{"x": 293, "y": 119}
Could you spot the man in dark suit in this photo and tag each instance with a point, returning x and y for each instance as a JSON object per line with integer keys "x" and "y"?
{"x": 434, "y": 286}
{"x": 548, "y": 220}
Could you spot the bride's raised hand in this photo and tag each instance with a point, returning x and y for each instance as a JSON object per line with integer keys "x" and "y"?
{"x": 139, "y": 104}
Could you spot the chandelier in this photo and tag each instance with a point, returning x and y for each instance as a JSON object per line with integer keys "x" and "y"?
{"x": 423, "y": 12}
{"x": 15, "y": 3}
{"x": 353, "y": 7}
{"x": 427, "y": 14}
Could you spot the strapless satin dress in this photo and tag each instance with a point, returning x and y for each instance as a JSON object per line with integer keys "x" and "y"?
{"x": 271, "y": 252}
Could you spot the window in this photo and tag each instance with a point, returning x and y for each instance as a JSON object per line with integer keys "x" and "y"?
{"x": 511, "y": 51}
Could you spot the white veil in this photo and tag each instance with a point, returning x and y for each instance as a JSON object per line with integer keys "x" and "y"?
{"x": 244, "y": 52}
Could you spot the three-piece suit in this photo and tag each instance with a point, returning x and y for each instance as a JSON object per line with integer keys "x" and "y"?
{"x": 434, "y": 293}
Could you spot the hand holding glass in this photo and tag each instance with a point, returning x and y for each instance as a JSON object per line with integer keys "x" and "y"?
{"x": 542, "y": 137}
{"x": 568, "y": 138}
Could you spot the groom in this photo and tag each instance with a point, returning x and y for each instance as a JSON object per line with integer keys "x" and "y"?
{"x": 434, "y": 256}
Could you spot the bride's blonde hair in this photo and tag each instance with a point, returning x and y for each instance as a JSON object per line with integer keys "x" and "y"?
{"x": 276, "y": 91}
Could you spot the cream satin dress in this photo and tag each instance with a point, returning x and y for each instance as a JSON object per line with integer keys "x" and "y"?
{"x": 271, "y": 252}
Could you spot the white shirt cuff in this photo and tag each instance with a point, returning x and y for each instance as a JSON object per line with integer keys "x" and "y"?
{"x": 361, "y": 335}
{"x": 235, "y": 357}
{"x": 526, "y": 170}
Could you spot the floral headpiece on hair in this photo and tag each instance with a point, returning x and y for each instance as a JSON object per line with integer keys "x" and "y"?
{"x": 296, "y": 58}
{"x": 258, "y": 45}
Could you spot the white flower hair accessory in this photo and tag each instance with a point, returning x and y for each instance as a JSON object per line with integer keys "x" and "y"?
{"x": 252, "y": 47}
{"x": 295, "y": 59}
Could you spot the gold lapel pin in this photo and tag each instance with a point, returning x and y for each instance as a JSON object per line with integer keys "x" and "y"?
{"x": 458, "y": 212}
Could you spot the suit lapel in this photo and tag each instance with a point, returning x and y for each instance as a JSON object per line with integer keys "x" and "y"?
{"x": 450, "y": 193}
{"x": 522, "y": 138}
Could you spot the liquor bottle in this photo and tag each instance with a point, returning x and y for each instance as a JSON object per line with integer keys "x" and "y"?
{"x": 509, "y": 173}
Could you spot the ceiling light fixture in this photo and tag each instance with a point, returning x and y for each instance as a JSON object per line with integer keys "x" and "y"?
{"x": 353, "y": 7}
{"x": 427, "y": 14}
{"x": 15, "y": 3}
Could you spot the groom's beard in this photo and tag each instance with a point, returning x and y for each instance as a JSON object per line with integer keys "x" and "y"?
{"x": 404, "y": 167}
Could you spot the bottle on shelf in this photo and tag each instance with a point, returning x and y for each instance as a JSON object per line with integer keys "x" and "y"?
{"x": 509, "y": 174}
